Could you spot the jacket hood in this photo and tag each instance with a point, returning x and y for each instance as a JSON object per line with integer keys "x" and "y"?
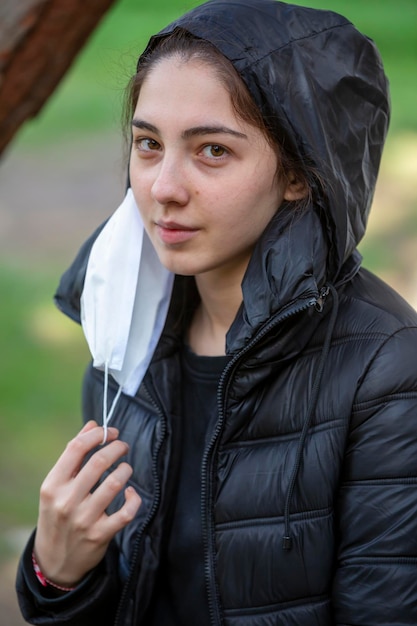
{"x": 323, "y": 84}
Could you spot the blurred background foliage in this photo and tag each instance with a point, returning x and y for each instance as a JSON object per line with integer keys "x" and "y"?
{"x": 43, "y": 353}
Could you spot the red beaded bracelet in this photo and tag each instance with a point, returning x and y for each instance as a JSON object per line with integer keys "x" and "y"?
{"x": 43, "y": 580}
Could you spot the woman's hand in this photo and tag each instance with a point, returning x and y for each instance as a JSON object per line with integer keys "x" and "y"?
{"x": 73, "y": 529}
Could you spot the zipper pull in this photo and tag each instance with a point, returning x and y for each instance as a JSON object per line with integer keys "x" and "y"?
{"x": 324, "y": 292}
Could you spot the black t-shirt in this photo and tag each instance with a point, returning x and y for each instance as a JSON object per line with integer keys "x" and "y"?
{"x": 180, "y": 597}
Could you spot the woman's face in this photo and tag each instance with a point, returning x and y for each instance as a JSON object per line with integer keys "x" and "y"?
{"x": 205, "y": 181}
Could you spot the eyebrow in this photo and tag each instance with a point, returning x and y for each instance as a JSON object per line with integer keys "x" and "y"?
{"x": 192, "y": 132}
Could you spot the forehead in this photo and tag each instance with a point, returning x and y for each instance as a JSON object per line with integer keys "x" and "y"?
{"x": 174, "y": 86}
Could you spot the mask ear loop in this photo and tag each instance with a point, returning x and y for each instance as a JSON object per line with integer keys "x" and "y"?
{"x": 107, "y": 416}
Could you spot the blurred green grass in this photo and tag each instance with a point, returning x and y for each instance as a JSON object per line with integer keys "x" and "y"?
{"x": 43, "y": 354}
{"x": 43, "y": 357}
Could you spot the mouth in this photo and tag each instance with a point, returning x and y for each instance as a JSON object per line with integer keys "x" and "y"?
{"x": 171, "y": 233}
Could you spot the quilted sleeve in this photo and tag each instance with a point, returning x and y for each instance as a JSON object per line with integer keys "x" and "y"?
{"x": 376, "y": 576}
{"x": 93, "y": 602}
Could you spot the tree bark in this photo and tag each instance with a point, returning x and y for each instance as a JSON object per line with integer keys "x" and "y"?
{"x": 39, "y": 39}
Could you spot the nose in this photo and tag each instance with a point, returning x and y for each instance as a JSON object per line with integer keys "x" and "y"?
{"x": 170, "y": 184}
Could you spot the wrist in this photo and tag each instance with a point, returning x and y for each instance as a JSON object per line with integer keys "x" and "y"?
{"x": 44, "y": 581}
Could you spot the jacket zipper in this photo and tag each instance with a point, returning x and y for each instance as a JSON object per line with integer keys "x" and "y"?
{"x": 135, "y": 552}
{"x": 206, "y": 493}
{"x": 206, "y": 488}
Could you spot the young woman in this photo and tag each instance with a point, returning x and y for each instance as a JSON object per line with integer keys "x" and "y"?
{"x": 261, "y": 463}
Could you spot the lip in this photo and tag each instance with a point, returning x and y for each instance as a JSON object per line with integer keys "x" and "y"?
{"x": 172, "y": 233}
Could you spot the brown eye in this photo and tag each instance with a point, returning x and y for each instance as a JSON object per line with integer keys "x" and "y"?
{"x": 214, "y": 151}
{"x": 145, "y": 144}
{"x": 217, "y": 151}
{"x": 152, "y": 144}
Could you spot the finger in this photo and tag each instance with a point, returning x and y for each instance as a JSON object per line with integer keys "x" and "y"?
{"x": 112, "y": 524}
{"x": 88, "y": 426}
{"x": 96, "y": 466}
{"x": 105, "y": 493}
{"x": 71, "y": 460}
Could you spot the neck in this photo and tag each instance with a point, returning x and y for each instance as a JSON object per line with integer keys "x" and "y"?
{"x": 220, "y": 301}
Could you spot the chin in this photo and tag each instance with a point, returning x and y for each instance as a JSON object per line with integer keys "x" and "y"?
{"x": 179, "y": 268}
{"x": 176, "y": 266}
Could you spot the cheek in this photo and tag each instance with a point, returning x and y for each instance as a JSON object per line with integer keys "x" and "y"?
{"x": 141, "y": 186}
{"x": 258, "y": 199}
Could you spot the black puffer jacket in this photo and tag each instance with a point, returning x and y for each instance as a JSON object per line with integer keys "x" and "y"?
{"x": 309, "y": 494}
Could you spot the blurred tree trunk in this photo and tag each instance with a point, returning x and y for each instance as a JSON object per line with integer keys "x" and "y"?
{"x": 39, "y": 40}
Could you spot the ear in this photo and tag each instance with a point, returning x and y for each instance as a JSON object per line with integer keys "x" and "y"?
{"x": 296, "y": 188}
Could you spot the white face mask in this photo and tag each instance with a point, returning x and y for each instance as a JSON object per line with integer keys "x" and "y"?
{"x": 124, "y": 301}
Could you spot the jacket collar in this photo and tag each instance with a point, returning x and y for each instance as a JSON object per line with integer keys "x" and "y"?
{"x": 287, "y": 268}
